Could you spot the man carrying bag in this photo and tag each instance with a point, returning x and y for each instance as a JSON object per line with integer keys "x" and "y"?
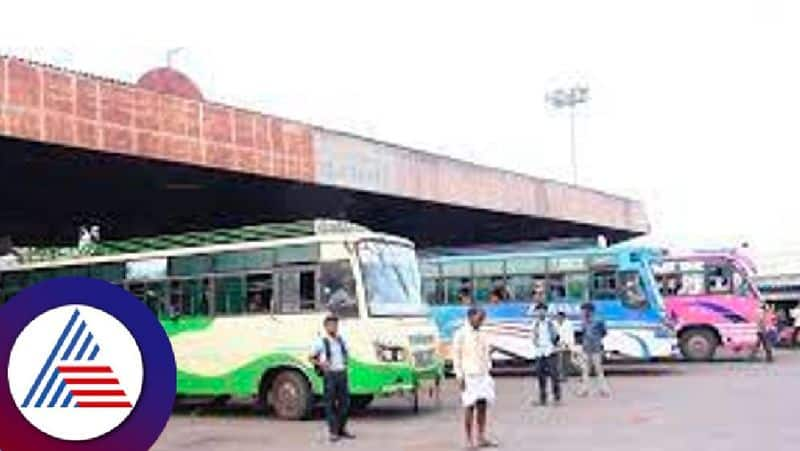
{"x": 329, "y": 356}
{"x": 545, "y": 339}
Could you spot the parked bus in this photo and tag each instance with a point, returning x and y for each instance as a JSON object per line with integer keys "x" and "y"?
{"x": 619, "y": 282}
{"x": 712, "y": 300}
{"x": 241, "y": 313}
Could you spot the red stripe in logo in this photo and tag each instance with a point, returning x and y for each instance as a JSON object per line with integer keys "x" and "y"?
{"x": 92, "y": 381}
{"x": 104, "y": 404}
{"x": 84, "y": 369}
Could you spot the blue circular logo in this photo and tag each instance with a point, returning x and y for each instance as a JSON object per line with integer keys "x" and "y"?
{"x": 89, "y": 368}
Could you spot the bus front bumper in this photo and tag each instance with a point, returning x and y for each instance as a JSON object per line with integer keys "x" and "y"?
{"x": 425, "y": 380}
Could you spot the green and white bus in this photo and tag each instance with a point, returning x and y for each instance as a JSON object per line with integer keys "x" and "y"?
{"x": 243, "y": 307}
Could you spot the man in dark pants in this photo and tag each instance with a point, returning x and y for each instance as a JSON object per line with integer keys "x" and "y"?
{"x": 545, "y": 339}
{"x": 766, "y": 332}
{"x": 329, "y": 356}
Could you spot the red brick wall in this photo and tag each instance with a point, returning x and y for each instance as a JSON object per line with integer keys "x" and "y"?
{"x": 50, "y": 105}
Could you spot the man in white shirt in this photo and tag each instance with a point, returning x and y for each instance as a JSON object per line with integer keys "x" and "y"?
{"x": 472, "y": 363}
{"x": 566, "y": 344}
{"x": 545, "y": 339}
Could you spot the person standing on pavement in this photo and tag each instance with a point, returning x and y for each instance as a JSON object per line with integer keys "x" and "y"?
{"x": 545, "y": 340}
{"x": 766, "y": 331}
{"x": 471, "y": 364}
{"x": 329, "y": 356}
{"x": 594, "y": 330}
{"x": 566, "y": 344}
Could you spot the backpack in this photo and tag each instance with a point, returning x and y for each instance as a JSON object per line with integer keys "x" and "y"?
{"x": 326, "y": 343}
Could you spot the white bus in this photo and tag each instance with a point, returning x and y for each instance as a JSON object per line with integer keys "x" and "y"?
{"x": 242, "y": 313}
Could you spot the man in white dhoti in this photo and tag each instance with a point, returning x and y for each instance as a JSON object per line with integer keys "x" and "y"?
{"x": 471, "y": 363}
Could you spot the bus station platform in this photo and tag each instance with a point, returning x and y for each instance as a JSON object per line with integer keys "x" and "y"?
{"x": 663, "y": 406}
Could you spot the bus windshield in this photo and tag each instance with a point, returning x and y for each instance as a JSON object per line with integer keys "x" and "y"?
{"x": 391, "y": 279}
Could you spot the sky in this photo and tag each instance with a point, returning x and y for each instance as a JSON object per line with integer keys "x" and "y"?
{"x": 693, "y": 104}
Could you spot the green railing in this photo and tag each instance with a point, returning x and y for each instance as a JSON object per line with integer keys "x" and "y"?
{"x": 263, "y": 232}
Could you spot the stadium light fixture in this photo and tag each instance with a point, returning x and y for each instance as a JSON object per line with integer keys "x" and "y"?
{"x": 570, "y": 98}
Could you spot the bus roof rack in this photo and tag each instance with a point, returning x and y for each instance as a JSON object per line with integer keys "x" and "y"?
{"x": 261, "y": 232}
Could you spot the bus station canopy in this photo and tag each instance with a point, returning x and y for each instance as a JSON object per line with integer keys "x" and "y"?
{"x": 155, "y": 158}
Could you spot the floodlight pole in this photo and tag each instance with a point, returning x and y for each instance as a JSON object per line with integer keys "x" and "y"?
{"x": 573, "y": 151}
{"x": 570, "y": 98}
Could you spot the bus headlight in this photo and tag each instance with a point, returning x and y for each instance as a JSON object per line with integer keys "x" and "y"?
{"x": 389, "y": 353}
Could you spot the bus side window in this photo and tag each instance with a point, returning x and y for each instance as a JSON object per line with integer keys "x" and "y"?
{"x": 202, "y": 295}
{"x": 491, "y": 290}
{"x": 458, "y": 290}
{"x": 308, "y": 290}
{"x": 604, "y": 285}
{"x": 556, "y": 288}
{"x": 669, "y": 284}
{"x": 259, "y": 293}
{"x": 178, "y": 305}
{"x": 229, "y": 295}
{"x": 718, "y": 279}
{"x": 289, "y": 292}
{"x": 692, "y": 284}
{"x": 577, "y": 285}
{"x": 153, "y": 294}
{"x": 298, "y": 290}
{"x": 433, "y": 291}
{"x": 520, "y": 287}
{"x": 499, "y": 291}
{"x": 190, "y": 297}
{"x": 483, "y": 289}
{"x": 539, "y": 289}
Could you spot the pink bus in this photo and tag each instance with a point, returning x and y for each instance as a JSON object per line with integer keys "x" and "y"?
{"x": 711, "y": 301}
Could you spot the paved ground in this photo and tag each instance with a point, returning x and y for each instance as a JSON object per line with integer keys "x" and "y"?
{"x": 728, "y": 406}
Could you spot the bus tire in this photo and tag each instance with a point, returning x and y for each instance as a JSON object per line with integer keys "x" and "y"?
{"x": 290, "y": 395}
{"x": 699, "y": 344}
{"x": 359, "y": 403}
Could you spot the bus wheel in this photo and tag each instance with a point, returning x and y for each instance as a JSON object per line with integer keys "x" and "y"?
{"x": 698, "y": 345}
{"x": 359, "y": 403}
{"x": 290, "y": 396}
